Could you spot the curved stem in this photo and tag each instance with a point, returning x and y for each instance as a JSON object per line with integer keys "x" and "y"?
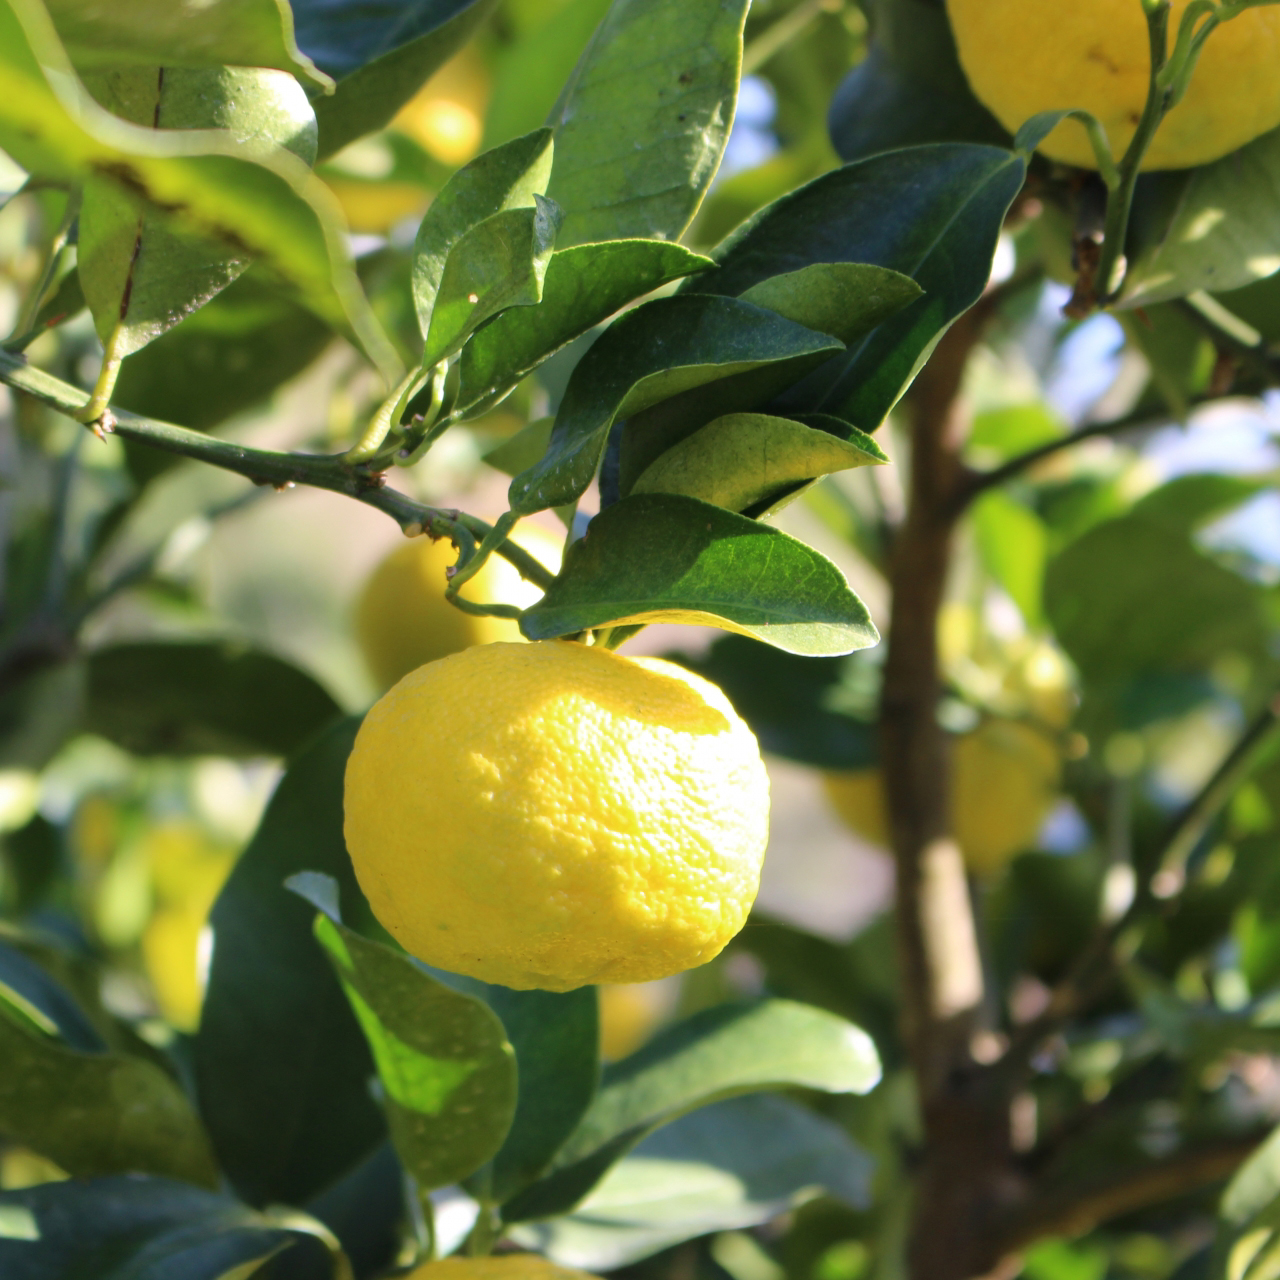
{"x": 267, "y": 467}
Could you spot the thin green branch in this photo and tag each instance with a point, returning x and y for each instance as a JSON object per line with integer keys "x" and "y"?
{"x": 281, "y": 470}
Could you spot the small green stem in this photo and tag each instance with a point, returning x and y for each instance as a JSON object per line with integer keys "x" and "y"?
{"x": 484, "y": 1235}
{"x": 57, "y": 246}
{"x": 1111, "y": 262}
{"x": 96, "y": 411}
{"x": 387, "y": 416}
{"x": 266, "y": 467}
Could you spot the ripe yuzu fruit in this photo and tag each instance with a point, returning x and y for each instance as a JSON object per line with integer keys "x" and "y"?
{"x": 403, "y": 619}
{"x": 551, "y": 815}
{"x": 1026, "y": 56}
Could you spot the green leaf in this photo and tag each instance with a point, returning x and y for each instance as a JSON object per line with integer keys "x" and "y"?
{"x": 1212, "y": 228}
{"x": 56, "y": 1009}
{"x": 791, "y": 702}
{"x": 508, "y": 177}
{"x": 745, "y": 461}
{"x": 727, "y": 1050}
{"x": 496, "y": 265}
{"x": 368, "y": 96}
{"x": 1013, "y": 544}
{"x": 642, "y": 123}
{"x": 1014, "y": 429}
{"x": 933, "y": 213}
{"x": 139, "y": 1228}
{"x": 909, "y": 88}
{"x": 556, "y": 1038}
{"x": 661, "y": 558}
{"x": 269, "y": 207}
{"x": 97, "y": 1113}
{"x": 447, "y": 1070}
{"x": 281, "y": 1064}
{"x": 651, "y": 354}
{"x": 583, "y": 286}
{"x": 735, "y": 1164}
{"x": 141, "y": 277}
{"x": 202, "y": 699}
{"x": 844, "y": 299}
{"x": 237, "y": 33}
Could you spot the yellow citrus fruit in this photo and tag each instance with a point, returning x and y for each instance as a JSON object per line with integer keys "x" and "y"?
{"x": 403, "y": 619}
{"x": 511, "y": 1266}
{"x": 550, "y": 815}
{"x": 1026, "y": 56}
{"x": 1004, "y": 780}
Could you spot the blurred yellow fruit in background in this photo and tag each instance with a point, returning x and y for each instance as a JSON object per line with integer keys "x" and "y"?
{"x": 446, "y": 116}
{"x": 630, "y": 1014}
{"x": 1026, "y": 56}
{"x": 188, "y": 871}
{"x": 1004, "y": 780}
{"x": 404, "y": 621}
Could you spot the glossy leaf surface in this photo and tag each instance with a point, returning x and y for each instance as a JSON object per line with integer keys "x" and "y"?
{"x": 933, "y": 213}
{"x": 446, "y": 1068}
{"x": 503, "y": 179}
{"x": 734, "y": 1164}
{"x": 747, "y": 459}
{"x": 583, "y": 286}
{"x": 642, "y": 123}
{"x": 661, "y": 558}
{"x": 652, "y": 353}
{"x": 723, "y": 1051}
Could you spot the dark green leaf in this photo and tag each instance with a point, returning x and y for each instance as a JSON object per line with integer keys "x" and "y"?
{"x": 659, "y": 558}
{"x": 909, "y": 88}
{"x": 641, "y": 125}
{"x": 787, "y": 701}
{"x": 735, "y": 1164}
{"x": 1211, "y": 228}
{"x": 556, "y": 1038}
{"x": 509, "y": 177}
{"x": 281, "y": 1063}
{"x": 746, "y": 460}
{"x": 371, "y": 92}
{"x": 97, "y": 1113}
{"x": 131, "y": 1229}
{"x": 447, "y": 1072}
{"x": 844, "y": 299}
{"x": 583, "y": 286}
{"x": 727, "y": 1050}
{"x": 496, "y": 265}
{"x": 61, "y": 1015}
{"x": 653, "y": 353}
{"x": 140, "y": 276}
{"x": 237, "y": 33}
{"x": 202, "y": 699}
{"x": 932, "y": 213}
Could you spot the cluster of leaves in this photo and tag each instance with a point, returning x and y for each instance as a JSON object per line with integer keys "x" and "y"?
{"x": 176, "y": 159}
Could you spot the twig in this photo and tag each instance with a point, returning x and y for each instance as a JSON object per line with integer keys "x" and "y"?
{"x": 281, "y": 470}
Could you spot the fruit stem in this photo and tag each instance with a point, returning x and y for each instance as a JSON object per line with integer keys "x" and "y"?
{"x": 1111, "y": 262}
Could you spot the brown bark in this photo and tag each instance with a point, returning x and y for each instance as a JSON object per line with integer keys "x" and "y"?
{"x": 967, "y": 1173}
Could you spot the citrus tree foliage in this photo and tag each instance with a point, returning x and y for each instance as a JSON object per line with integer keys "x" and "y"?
{"x": 196, "y": 212}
